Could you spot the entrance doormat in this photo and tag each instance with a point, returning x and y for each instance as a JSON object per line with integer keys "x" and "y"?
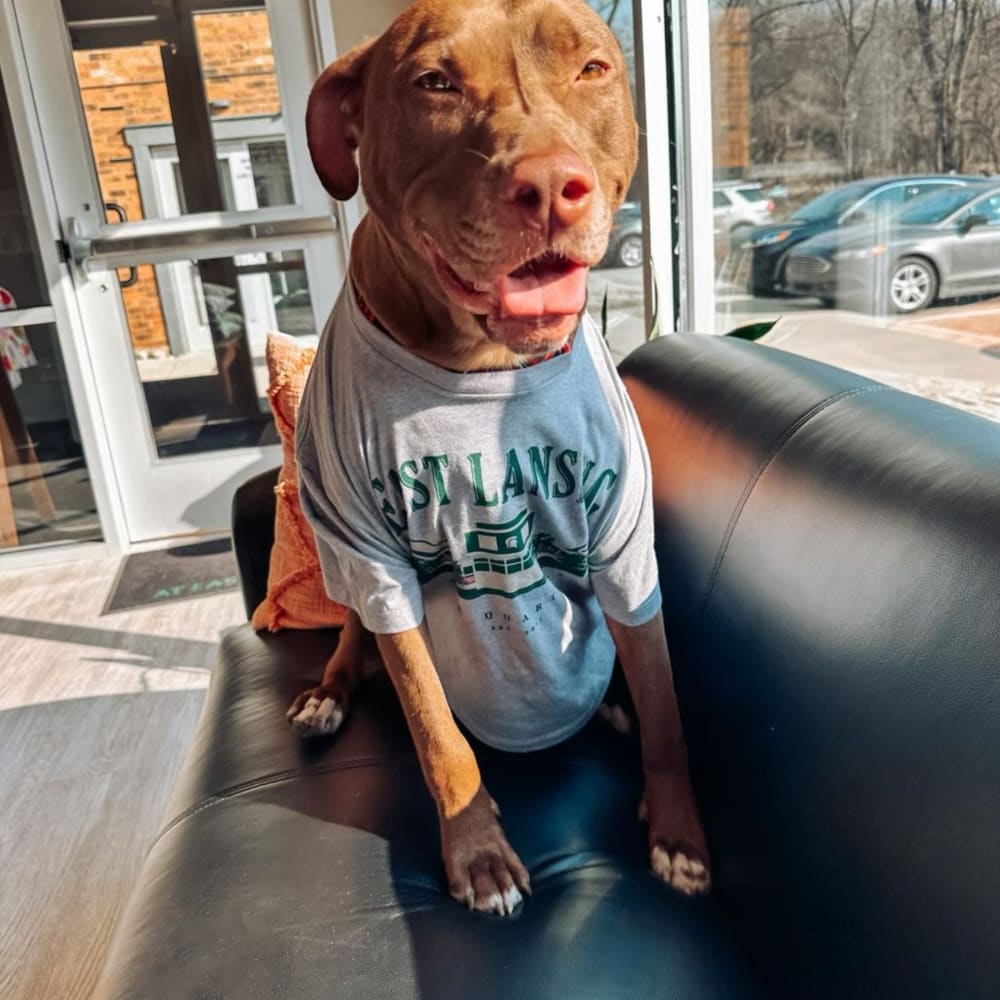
{"x": 177, "y": 573}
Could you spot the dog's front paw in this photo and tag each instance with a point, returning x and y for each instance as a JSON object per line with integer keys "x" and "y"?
{"x": 316, "y": 712}
{"x": 483, "y": 871}
{"x": 675, "y": 867}
{"x": 678, "y": 852}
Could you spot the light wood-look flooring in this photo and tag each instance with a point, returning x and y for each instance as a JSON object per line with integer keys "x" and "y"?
{"x": 96, "y": 714}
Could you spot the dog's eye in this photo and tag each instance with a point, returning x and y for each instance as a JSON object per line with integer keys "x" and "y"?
{"x": 594, "y": 70}
{"x": 434, "y": 80}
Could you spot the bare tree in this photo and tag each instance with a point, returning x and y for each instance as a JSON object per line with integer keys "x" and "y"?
{"x": 946, "y": 32}
{"x": 855, "y": 21}
{"x": 863, "y": 87}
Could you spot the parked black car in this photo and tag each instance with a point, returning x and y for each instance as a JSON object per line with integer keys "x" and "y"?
{"x": 849, "y": 204}
{"x": 945, "y": 244}
{"x": 625, "y": 242}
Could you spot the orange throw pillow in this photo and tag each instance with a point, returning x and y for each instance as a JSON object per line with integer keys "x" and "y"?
{"x": 296, "y": 597}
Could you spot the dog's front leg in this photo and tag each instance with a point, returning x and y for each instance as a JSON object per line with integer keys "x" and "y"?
{"x": 678, "y": 851}
{"x": 320, "y": 710}
{"x": 482, "y": 869}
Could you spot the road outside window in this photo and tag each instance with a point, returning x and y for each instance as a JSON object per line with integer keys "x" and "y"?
{"x": 866, "y": 134}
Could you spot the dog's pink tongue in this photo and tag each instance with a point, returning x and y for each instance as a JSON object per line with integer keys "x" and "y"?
{"x": 561, "y": 292}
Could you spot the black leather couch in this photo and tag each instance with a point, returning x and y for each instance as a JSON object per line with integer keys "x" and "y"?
{"x": 830, "y": 557}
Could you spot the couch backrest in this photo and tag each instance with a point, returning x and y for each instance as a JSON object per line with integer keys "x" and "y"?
{"x": 253, "y": 535}
{"x": 830, "y": 561}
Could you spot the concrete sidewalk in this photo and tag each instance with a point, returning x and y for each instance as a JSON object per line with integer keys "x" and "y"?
{"x": 951, "y": 355}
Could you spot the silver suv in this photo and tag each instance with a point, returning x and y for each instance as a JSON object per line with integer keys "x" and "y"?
{"x": 738, "y": 207}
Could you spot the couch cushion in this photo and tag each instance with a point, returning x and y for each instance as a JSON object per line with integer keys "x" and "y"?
{"x": 307, "y": 870}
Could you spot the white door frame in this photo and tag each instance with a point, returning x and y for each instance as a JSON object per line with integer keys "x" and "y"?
{"x": 65, "y": 311}
{"x": 139, "y": 492}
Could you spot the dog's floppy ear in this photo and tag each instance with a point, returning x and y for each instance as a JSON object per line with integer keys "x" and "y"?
{"x": 334, "y": 120}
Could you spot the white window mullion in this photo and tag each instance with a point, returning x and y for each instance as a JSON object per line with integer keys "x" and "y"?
{"x": 654, "y": 120}
{"x": 692, "y": 92}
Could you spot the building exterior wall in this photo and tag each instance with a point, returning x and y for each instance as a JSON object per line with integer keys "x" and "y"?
{"x": 731, "y": 90}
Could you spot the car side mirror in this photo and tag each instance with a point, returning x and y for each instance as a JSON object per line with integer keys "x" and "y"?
{"x": 971, "y": 222}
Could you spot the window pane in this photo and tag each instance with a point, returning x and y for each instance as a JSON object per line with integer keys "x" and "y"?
{"x": 45, "y": 491}
{"x": 616, "y": 293}
{"x": 20, "y": 269}
{"x": 752, "y": 193}
{"x": 206, "y": 387}
{"x": 135, "y": 77}
{"x": 882, "y": 250}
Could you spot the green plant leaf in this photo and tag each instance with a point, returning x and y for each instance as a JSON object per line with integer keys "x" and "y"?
{"x": 752, "y": 331}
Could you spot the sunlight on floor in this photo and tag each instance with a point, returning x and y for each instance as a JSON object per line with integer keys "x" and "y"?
{"x": 56, "y": 644}
{"x": 96, "y": 715}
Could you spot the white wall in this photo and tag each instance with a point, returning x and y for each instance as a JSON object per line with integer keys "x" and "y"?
{"x": 354, "y": 21}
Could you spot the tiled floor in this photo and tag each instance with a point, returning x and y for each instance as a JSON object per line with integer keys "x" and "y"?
{"x": 95, "y": 716}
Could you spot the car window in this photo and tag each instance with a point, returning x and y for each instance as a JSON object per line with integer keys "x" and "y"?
{"x": 935, "y": 207}
{"x": 832, "y": 203}
{"x": 720, "y": 200}
{"x": 753, "y": 193}
{"x": 988, "y": 208}
{"x": 878, "y": 204}
{"x": 926, "y": 187}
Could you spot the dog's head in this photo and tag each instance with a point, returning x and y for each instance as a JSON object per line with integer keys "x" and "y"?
{"x": 496, "y": 140}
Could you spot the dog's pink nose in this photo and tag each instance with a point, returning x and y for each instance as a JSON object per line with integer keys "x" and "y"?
{"x": 553, "y": 189}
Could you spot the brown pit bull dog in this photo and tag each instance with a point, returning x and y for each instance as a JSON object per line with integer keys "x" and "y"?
{"x": 503, "y": 564}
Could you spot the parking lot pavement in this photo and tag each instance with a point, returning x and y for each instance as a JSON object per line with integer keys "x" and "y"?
{"x": 950, "y": 353}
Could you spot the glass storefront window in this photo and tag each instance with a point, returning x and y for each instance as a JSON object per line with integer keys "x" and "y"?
{"x": 616, "y": 289}
{"x": 45, "y": 489}
{"x": 868, "y": 132}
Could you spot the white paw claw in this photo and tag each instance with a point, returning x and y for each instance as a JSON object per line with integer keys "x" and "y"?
{"x": 512, "y": 899}
{"x": 686, "y": 875}
{"x": 503, "y": 905}
{"x": 318, "y": 718}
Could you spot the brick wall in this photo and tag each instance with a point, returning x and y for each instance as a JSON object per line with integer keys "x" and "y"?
{"x": 731, "y": 92}
{"x": 125, "y": 87}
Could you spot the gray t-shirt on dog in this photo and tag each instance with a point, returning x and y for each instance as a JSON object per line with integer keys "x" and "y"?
{"x": 511, "y": 509}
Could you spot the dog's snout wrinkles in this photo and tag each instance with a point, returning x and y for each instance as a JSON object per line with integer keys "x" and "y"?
{"x": 550, "y": 191}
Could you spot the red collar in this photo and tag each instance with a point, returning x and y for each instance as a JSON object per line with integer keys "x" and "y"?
{"x": 377, "y": 323}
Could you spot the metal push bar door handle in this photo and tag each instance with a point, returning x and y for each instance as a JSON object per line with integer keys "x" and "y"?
{"x": 192, "y": 237}
{"x": 133, "y": 273}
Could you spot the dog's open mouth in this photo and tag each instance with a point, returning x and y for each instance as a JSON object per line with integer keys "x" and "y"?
{"x": 548, "y": 285}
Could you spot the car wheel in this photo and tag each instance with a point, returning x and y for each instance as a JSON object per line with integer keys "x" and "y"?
{"x": 913, "y": 284}
{"x": 630, "y": 251}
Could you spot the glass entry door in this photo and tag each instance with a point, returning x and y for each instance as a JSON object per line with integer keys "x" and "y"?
{"x": 46, "y": 493}
{"x": 192, "y": 224}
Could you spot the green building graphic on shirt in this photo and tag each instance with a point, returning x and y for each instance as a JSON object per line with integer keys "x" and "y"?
{"x": 500, "y": 559}
{"x": 503, "y": 559}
